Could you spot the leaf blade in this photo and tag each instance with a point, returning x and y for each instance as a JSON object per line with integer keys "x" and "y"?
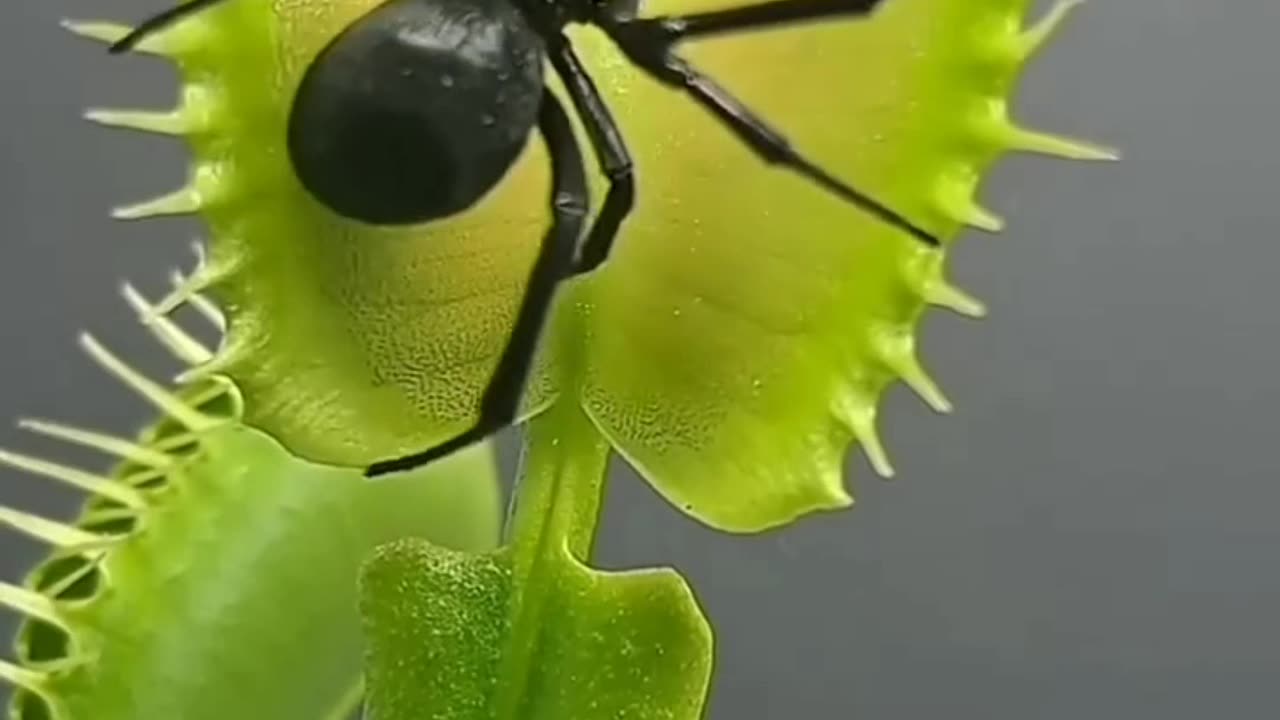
{"x": 608, "y": 645}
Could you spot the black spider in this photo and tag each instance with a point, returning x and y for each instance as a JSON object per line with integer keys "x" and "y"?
{"x": 418, "y": 109}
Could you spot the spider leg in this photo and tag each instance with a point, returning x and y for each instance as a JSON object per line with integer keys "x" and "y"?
{"x": 760, "y": 16}
{"x": 555, "y": 262}
{"x": 158, "y": 22}
{"x": 648, "y": 43}
{"x": 610, "y": 150}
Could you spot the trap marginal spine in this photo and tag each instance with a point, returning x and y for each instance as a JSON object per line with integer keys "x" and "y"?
{"x": 61, "y": 634}
{"x": 979, "y": 84}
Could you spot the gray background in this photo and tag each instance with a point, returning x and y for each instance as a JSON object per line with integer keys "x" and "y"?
{"x": 1092, "y": 535}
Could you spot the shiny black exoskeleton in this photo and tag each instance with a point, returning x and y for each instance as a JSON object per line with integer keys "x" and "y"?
{"x": 420, "y": 107}
{"x": 418, "y": 110}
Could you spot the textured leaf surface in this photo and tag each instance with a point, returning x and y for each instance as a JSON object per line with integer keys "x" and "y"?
{"x": 529, "y": 632}
{"x": 743, "y": 332}
{"x": 213, "y": 574}
{"x": 607, "y": 645}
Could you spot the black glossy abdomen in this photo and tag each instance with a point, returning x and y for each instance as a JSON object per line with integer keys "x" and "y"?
{"x": 417, "y": 110}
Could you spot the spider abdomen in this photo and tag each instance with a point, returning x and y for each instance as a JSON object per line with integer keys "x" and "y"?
{"x": 417, "y": 110}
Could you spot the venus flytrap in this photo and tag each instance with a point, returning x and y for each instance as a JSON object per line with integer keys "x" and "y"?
{"x": 737, "y": 341}
{"x": 211, "y": 574}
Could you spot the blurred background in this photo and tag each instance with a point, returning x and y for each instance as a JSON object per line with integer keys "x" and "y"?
{"x": 1093, "y": 534}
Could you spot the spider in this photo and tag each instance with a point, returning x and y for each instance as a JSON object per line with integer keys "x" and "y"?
{"x": 420, "y": 107}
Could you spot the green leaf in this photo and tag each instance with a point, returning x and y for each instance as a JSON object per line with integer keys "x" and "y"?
{"x": 735, "y": 344}
{"x": 747, "y": 324}
{"x": 212, "y": 574}
{"x": 607, "y": 645}
{"x": 529, "y": 632}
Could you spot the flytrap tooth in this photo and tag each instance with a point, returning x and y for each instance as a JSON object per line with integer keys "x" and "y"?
{"x": 198, "y": 250}
{"x": 208, "y": 310}
{"x": 87, "y": 481}
{"x": 108, "y": 33}
{"x": 896, "y": 349}
{"x": 204, "y": 276}
{"x": 183, "y": 346}
{"x": 57, "y": 534}
{"x": 214, "y": 386}
{"x": 109, "y": 444}
{"x": 859, "y": 414}
{"x": 213, "y": 377}
{"x": 216, "y": 365}
{"x": 1025, "y": 140}
{"x": 953, "y": 197}
{"x": 58, "y": 587}
{"x": 30, "y": 603}
{"x": 1034, "y": 37}
{"x": 156, "y": 394}
{"x": 202, "y": 256}
{"x": 29, "y": 680}
{"x": 185, "y": 287}
{"x": 185, "y": 201}
{"x": 174, "y": 122}
{"x": 923, "y": 274}
{"x": 943, "y": 294}
{"x": 200, "y": 280}
{"x": 212, "y": 272}
{"x": 869, "y": 438}
{"x": 173, "y": 41}
{"x": 966, "y": 211}
{"x": 187, "y": 290}
{"x": 918, "y": 379}
{"x": 176, "y": 441}
{"x": 208, "y": 393}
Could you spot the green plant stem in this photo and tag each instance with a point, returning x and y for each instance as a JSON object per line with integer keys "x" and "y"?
{"x": 561, "y": 485}
{"x": 556, "y": 509}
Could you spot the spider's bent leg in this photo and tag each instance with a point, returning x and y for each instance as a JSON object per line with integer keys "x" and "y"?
{"x": 610, "y": 149}
{"x": 648, "y": 46}
{"x": 501, "y": 399}
{"x": 158, "y": 22}
{"x": 760, "y": 16}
